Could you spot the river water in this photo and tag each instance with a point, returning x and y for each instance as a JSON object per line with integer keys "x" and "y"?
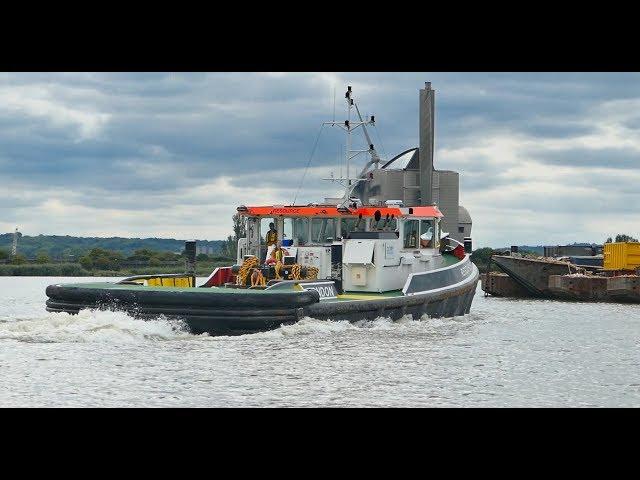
{"x": 515, "y": 353}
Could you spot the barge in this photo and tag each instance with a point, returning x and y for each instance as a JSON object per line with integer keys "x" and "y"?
{"x": 617, "y": 280}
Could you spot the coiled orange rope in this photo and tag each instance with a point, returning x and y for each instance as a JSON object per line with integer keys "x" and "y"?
{"x": 296, "y": 272}
{"x": 246, "y": 267}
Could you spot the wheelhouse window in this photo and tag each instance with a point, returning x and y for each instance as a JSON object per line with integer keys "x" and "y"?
{"x": 323, "y": 230}
{"x": 349, "y": 225}
{"x": 300, "y": 231}
{"x": 383, "y": 225}
{"x": 296, "y": 230}
{"x": 411, "y": 233}
{"x": 428, "y": 237}
{"x": 265, "y": 227}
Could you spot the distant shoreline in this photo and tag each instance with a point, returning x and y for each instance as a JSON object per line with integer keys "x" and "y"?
{"x": 72, "y": 248}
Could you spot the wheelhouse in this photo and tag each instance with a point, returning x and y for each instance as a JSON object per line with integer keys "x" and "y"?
{"x": 344, "y": 243}
{"x": 320, "y": 225}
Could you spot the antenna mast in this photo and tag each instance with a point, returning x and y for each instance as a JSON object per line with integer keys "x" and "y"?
{"x": 348, "y": 126}
{"x": 334, "y": 103}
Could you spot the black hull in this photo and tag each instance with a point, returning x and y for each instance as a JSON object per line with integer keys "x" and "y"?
{"x": 220, "y": 314}
{"x": 452, "y": 303}
{"x": 236, "y": 313}
{"x": 237, "y": 322}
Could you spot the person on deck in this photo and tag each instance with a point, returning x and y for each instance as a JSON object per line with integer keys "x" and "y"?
{"x": 278, "y": 253}
{"x": 277, "y": 258}
{"x": 272, "y": 235}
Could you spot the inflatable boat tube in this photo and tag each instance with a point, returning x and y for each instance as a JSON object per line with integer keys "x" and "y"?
{"x": 211, "y": 310}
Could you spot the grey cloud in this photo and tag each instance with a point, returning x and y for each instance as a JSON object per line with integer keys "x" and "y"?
{"x": 167, "y": 133}
{"x": 617, "y": 158}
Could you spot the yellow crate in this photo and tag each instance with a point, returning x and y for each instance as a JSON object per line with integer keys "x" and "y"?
{"x": 621, "y": 256}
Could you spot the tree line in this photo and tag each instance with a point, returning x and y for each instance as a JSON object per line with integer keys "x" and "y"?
{"x": 70, "y": 248}
{"x": 621, "y": 237}
{"x": 103, "y": 259}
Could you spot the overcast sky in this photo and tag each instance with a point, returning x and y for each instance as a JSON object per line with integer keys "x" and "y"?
{"x": 544, "y": 158}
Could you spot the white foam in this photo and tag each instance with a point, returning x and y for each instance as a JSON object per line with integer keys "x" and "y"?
{"x": 91, "y": 326}
{"x": 118, "y": 327}
{"x": 313, "y": 326}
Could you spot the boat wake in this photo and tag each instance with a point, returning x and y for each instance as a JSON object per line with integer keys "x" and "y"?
{"x": 404, "y": 325}
{"x": 90, "y": 326}
{"x": 117, "y": 327}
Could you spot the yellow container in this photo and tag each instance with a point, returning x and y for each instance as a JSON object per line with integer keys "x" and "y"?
{"x": 621, "y": 256}
{"x": 183, "y": 282}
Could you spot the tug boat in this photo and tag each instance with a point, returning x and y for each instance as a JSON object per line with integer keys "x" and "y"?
{"x": 342, "y": 259}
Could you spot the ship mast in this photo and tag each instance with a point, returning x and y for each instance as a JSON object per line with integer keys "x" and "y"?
{"x": 349, "y": 126}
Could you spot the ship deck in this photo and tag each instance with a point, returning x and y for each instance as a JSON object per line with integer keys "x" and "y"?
{"x": 346, "y": 296}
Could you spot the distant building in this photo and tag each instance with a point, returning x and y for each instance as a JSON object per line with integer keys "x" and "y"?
{"x": 464, "y": 222}
{"x": 206, "y": 249}
{"x": 411, "y": 177}
{"x": 572, "y": 250}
